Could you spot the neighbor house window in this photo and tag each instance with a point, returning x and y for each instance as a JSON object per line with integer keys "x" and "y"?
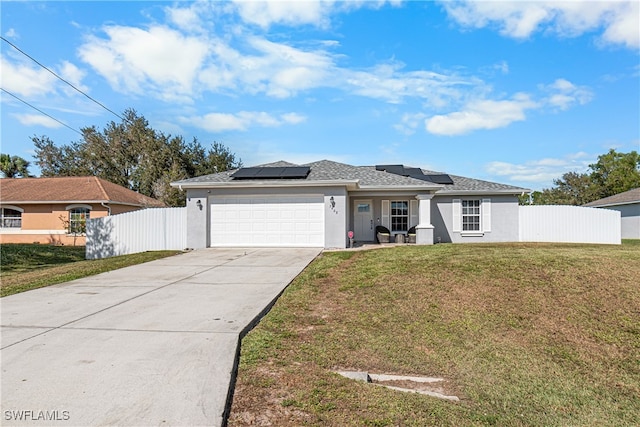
{"x": 10, "y": 218}
{"x": 471, "y": 215}
{"x": 399, "y": 216}
{"x": 78, "y": 220}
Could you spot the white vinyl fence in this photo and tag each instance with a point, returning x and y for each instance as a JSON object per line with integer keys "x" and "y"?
{"x": 138, "y": 231}
{"x": 570, "y": 224}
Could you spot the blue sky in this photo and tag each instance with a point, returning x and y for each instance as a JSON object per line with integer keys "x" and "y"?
{"x": 512, "y": 92}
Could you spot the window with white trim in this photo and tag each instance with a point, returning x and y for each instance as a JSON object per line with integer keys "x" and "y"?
{"x": 78, "y": 220}
{"x": 471, "y": 215}
{"x": 399, "y": 215}
{"x": 10, "y": 218}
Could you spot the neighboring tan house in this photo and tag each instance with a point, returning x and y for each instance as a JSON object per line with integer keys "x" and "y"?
{"x": 628, "y": 204}
{"x": 54, "y": 210}
{"x": 318, "y": 204}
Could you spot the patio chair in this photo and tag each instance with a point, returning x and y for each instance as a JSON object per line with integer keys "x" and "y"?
{"x": 382, "y": 234}
{"x": 411, "y": 234}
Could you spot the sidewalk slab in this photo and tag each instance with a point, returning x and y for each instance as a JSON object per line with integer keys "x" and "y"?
{"x": 155, "y": 271}
{"x": 242, "y": 274}
{"x": 188, "y": 307}
{"x": 275, "y": 257}
{"x": 11, "y": 335}
{"x": 56, "y": 306}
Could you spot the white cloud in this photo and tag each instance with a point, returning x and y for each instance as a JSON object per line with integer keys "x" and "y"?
{"x": 563, "y": 94}
{"x": 266, "y": 13}
{"x": 179, "y": 65}
{"x": 389, "y": 83}
{"x": 481, "y": 114}
{"x": 300, "y": 12}
{"x": 188, "y": 18}
{"x": 137, "y": 60}
{"x": 286, "y": 70}
{"x": 623, "y": 26}
{"x": 25, "y": 81}
{"x": 410, "y": 123}
{"x": 542, "y": 171}
{"x": 617, "y": 20}
{"x": 167, "y": 64}
{"x": 293, "y": 118}
{"x": 241, "y": 121}
{"x": 73, "y": 75}
{"x": 37, "y": 120}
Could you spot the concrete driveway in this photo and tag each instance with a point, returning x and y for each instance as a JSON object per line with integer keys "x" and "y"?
{"x": 152, "y": 344}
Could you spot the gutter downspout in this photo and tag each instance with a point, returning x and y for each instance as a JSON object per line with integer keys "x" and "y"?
{"x": 108, "y": 208}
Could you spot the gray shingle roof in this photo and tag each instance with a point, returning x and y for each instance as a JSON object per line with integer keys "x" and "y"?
{"x": 631, "y": 196}
{"x": 367, "y": 176}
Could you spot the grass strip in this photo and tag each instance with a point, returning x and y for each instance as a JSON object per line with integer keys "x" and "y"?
{"x": 26, "y": 267}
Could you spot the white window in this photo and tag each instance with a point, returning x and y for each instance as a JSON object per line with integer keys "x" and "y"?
{"x": 470, "y": 215}
{"x": 399, "y": 215}
{"x": 10, "y": 218}
{"x": 78, "y": 220}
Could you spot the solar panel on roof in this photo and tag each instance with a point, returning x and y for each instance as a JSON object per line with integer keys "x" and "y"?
{"x": 296, "y": 172}
{"x": 270, "y": 173}
{"x": 442, "y": 178}
{"x": 245, "y": 173}
{"x": 293, "y": 172}
{"x": 394, "y": 169}
{"x": 415, "y": 173}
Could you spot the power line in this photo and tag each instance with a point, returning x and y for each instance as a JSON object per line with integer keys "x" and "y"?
{"x": 78, "y": 90}
{"x": 42, "y": 112}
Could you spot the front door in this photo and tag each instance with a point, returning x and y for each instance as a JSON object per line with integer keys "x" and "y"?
{"x": 363, "y": 221}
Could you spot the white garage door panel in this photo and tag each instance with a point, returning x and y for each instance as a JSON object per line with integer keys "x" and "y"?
{"x": 267, "y": 221}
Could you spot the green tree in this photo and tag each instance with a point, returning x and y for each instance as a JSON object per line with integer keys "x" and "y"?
{"x": 613, "y": 173}
{"x": 616, "y": 173}
{"x": 14, "y": 166}
{"x": 135, "y": 156}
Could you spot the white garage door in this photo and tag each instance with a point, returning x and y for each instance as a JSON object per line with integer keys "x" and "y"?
{"x": 267, "y": 221}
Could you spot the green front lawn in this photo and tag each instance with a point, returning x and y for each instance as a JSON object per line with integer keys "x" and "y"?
{"x": 524, "y": 334}
{"x": 26, "y": 266}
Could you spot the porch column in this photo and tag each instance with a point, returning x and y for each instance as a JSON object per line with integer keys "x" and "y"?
{"x": 424, "y": 229}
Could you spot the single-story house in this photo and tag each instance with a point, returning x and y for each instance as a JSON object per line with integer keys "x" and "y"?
{"x": 54, "y": 210}
{"x": 320, "y": 204}
{"x": 628, "y": 204}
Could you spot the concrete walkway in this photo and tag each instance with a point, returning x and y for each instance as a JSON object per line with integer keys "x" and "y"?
{"x": 153, "y": 344}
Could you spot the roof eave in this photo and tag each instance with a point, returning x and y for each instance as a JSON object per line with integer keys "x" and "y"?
{"x": 267, "y": 183}
{"x": 612, "y": 204}
{"x": 506, "y": 191}
{"x": 61, "y": 202}
{"x": 400, "y": 187}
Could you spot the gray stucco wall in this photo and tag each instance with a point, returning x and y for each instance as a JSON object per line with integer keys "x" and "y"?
{"x": 198, "y": 231}
{"x": 339, "y": 218}
{"x": 504, "y": 220}
{"x": 630, "y": 220}
{"x": 197, "y": 219}
{"x": 335, "y": 218}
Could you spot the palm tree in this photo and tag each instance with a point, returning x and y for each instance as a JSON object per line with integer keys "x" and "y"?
{"x": 14, "y": 166}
